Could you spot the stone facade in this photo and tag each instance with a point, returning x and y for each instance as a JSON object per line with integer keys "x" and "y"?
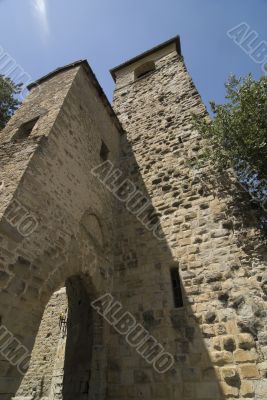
{"x": 44, "y": 374}
{"x": 90, "y": 237}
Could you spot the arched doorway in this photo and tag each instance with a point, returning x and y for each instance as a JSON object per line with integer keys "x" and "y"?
{"x": 68, "y": 346}
{"x": 84, "y": 269}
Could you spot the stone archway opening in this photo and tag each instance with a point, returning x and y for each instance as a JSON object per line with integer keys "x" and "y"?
{"x": 63, "y": 357}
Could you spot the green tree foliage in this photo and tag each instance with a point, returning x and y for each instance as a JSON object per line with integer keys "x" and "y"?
{"x": 238, "y": 132}
{"x": 237, "y": 138}
{"x": 8, "y": 101}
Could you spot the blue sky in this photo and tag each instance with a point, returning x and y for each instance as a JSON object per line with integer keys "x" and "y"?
{"x": 42, "y": 35}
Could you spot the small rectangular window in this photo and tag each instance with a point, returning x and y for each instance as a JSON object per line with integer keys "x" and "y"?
{"x": 25, "y": 130}
{"x": 176, "y": 287}
{"x": 104, "y": 151}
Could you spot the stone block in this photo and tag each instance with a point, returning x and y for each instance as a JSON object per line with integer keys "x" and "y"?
{"x": 232, "y": 328}
{"x": 216, "y": 343}
{"x": 249, "y": 371}
{"x": 207, "y": 331}
{"x": 247, "y": 389}
{"x": 245, "y": 341}
{"x": 263, "y": 368}
{"x": 229, "y": 391}
{"x": 26, "y": 398}
{"x": 213, "y": 277}
{"x": 220, "y": 329}
{"x": 221, "y": 357}
{"x": 243, "y": 356}
{"x": 210, "y": 317}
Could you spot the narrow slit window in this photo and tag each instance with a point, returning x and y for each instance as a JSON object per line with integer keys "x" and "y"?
{"x": 176, "y": 287}
{"x": 104, "y": 152}
{"x": 25, "y": 130}
{"x": 144, "y": 69}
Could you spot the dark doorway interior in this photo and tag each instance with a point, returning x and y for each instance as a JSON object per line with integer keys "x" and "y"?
{"x": 79, "y": 341}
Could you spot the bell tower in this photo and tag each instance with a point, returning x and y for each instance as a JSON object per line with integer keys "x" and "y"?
{"x": 184, "y": 286}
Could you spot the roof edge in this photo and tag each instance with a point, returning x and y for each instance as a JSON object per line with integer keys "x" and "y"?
{"x": 175, "y": 39}
{"x": 55, "y": 72}
{"x": 90, "y": 73}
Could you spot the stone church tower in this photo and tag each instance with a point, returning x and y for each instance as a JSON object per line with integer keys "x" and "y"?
{"x": 127, "y": 270}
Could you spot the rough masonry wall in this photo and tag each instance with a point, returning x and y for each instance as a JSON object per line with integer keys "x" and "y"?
{"x": 73, "y": 210}
{"x": 50, "y": 334}
{"x": 15, "y": 156}
{"x": 219, "y": 337}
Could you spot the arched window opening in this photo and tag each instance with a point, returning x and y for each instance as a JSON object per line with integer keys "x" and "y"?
{"x": 144, "y": 70}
